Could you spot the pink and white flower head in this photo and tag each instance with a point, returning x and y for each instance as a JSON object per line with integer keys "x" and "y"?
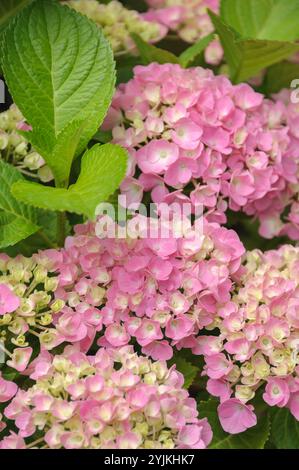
{"x": 27, "y": 304}
{"x": 189, "y": 19}
{"x": 113, "y": 400}
{"x": 159, "y": 292}
{"x": 195, "y": 136}
{"x": 258, "y": 342}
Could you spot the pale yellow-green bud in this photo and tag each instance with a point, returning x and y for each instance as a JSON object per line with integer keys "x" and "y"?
{"x": 20, "y": 341}
{"x": 57, "y": 305}
{"x": 247, "y": 369}
{"x": 40, "y": 274}
{"x": 20, "y": 289}
{"x": 95, "y": 443}
{"x": 108, "y": 434}
{"x": 21, "y": 149}
{"x": 41, "y": 299}
{"x": 45, "y": 174}
{"x": 234, "y": 374}
{"x": 160, "y": 369}
{"x": 51, "y": 284}
{"x": 3, "y": 140}
{"x": 33, "y": 161}
{"x": 5, "y": 319}
{"x": 244, "y": 393}
{"x": 46, "y": 338}
{"x": 61, "y": 364}
{"x": 141, "y": 428}
{"x": 150, "y": 378}
{"x": 148, "y": 444}
{"x": 26, "y": 308}
{"x": 46, "y": 319}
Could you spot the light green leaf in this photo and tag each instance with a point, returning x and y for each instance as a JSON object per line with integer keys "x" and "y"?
{"x": 17, "y": 221}
{"x": 262, "y": 19}
{"x": 60, "y": 70}
{"x": 253, "y": 438}
{"x": 150, "y": 53}
{"x": 102, "y": 170}
{"x": 285, "y": 430}
{"x": 280, "y": 76}
{"x": 246, "y": 57}
{"x": 190, "y": 54}
{"x": 10, "y": 8}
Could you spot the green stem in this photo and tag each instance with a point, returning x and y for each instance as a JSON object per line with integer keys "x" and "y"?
{"x": 61, "y": 216}
{"x": 61, "y": 231}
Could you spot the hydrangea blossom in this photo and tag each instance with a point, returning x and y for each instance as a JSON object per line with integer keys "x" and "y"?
{"x": 118, "y": 23}
{"x": 190, "y": 20}
{"x": 27, "y": 305}
{"x": 258, "y": 344}
{"x": 160, "y": 292}
{"x": 15, "y": 149}
{"x": 8, "y": 390}
{"x": 194, "y": 135}
{"x": 112, "y": 400}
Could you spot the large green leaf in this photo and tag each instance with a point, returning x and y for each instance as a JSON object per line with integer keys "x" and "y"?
{"x": 60, "y": 70}
{"x": 280, "y": 76}
{"x": 253, "y": 438}
{"x": 246, "y": 57}
{"x": 17, "y": 221}
{"x": 102, "y": 170}
{"x": 263, "y": 19}
{"x": 285, "y": 430}
{"x": 9, "y": 8}
{"x": 150, "y": 53}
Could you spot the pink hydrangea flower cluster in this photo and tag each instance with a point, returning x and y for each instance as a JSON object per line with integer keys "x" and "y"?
{"x": 8, "y": 390}
{"x": 193, "y": 136}
{"x": 158, "y": 291}
{"x": 258, "y": 344}
{"x": 190, "y": 20}
{"x": 27, "y": 305}
{"x": 112, "y": 400}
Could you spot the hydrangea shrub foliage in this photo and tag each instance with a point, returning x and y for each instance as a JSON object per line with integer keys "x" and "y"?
{"x": 117, "y": 329}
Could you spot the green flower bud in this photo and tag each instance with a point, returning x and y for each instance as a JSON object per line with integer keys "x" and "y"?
{"x": 3, "y": 140}
{"x": 45, "y": 174}
{"x": 57, "y": 305}
{"x": 33, "y": 161}
{"x": 51, "y": 284}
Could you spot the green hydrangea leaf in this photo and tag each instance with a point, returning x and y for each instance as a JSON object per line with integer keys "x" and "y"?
{"x": 17, "y": 220}
{"x": 262, "y": 19}
{"x": 150, "y": 53}
{"x": 10, "y": 8}
{"x": 280, "y": 76}
{"x": 247, "y": 57}
{"x": 284, "y": 429}
{"x": 191, "y": 54}
{"x": 60, "y": 71}
{"x": 102, "y": 169}
{"x": 253, "y": 438}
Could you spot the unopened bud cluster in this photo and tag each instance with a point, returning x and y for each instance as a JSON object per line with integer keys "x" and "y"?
{"x": 16, "y": 150}
{"x": 118, "y": 23}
